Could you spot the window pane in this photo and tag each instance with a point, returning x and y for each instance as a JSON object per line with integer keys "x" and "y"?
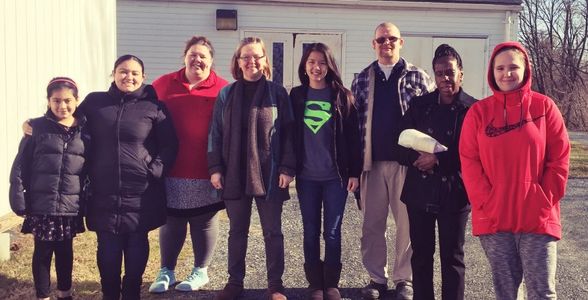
{"x": 305, "y": 46}
{"x": 278, "y": 63}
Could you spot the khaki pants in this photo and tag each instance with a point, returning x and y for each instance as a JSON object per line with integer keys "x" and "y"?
{"x": 380, "y": 192}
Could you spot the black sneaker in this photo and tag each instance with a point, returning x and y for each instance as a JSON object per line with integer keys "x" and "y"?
{"x": 404, "y": 290}
{"x": 374, "y": 290}
{"x": 230, "y": 292}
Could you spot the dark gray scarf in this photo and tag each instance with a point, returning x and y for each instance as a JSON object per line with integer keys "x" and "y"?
{"x": 254, "y": 184}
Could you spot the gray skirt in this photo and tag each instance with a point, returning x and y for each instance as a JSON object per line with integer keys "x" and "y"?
{"x": 186, "y": 193}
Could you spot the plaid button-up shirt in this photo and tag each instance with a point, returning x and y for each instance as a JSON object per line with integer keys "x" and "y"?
{"x": 413, "y": 82}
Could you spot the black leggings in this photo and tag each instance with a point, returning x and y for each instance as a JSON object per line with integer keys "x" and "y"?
{"x": 42, "y": 256}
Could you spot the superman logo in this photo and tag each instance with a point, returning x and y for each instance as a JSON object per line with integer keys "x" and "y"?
{"x": 316, "y": 114}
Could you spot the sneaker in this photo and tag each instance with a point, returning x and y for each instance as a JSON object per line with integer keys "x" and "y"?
{"x": 195, "y": 281}
{"x": 164, "y": 280}
{"x": 230, "y": 292}
{"x": 404, "y": 290}
{"x": 374, "y": 290}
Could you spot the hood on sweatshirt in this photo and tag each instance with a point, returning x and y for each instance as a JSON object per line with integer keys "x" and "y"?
{"x": 517, "y": 95}
{"x": 526, "y": 84}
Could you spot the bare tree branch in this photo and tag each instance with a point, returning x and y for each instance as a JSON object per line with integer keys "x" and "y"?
{"x": 555, "y": 33}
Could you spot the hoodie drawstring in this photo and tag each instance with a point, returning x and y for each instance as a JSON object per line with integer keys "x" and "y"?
{"x": 521, "y": 104}
{"x": 505, "y": 114}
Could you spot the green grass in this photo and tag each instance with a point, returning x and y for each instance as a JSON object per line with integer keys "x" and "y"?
{"x": 16, "y": 281}
{"x": 579, "y": 161}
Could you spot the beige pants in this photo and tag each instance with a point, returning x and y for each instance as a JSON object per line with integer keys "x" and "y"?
{"x": 380, "y": 192}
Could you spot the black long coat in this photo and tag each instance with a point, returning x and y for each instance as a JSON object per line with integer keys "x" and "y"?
{"x": 133, "y": 145}
{"x": 442, "y": 191}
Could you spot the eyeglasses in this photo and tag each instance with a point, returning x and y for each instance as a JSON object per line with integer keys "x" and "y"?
{"x": 249, "y": 58}
{"x": 383, "y": 39}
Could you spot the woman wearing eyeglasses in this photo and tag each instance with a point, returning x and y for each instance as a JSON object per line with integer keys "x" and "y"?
{"x": 251, "y": 157}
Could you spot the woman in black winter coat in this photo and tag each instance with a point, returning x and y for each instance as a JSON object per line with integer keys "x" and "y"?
{"x": 433, "y": 190}
{"x": 133, "y": 145}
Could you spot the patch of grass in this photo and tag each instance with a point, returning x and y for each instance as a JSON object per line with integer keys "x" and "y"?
{"x": 579, "y": 160}
{"x": 16, "y": 279}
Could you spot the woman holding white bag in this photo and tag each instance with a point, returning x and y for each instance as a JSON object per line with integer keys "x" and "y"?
{"x": 433, "y": 190}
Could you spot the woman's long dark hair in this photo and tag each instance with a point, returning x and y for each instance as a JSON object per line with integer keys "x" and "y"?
{"x": 333, "y": 77}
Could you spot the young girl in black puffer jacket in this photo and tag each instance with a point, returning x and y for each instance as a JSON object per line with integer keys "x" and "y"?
{"x": 45, "y": 184}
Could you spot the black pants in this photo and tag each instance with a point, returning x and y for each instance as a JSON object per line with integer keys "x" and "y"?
{"x": 451, "y": 240}
{"x": 112, "y": 248}
{"x": 42, "y": 256}
{"x": 270, "y": 217}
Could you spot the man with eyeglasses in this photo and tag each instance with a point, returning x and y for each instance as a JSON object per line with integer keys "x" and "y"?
{"x": 382, "y": 93}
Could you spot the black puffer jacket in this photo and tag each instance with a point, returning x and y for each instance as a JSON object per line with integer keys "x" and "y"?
{"x": 347, "y": 140}
{"x": 442, "y": 191}
{"x": 133, "y": 145}
{"x": 46, "y": 175}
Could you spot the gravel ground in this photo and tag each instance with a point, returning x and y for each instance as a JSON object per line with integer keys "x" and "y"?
{"x": 572, "y": 273}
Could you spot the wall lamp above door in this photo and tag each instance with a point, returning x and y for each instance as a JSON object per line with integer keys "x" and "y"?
{"x": 226, "y": 19}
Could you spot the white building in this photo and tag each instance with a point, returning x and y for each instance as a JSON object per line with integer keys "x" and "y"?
{"x": 156, "y": 30}
{"x": 81, "y": 38}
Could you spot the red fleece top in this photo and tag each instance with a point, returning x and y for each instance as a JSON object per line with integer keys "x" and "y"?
{"x": 514, "y": 151}
{"x": 191, "y": 112}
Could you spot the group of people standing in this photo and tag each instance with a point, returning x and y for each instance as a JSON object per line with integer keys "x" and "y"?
{"x": 192, "y": 144}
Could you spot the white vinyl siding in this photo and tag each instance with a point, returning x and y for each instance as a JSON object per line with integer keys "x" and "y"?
{"x": 156, "y": 30}
{"x": 42, "y": 39}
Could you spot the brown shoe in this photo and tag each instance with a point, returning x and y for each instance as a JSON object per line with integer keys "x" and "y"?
{"x": 277, "y": 296}
{"x": 316, "y": 294}
{"x": 332, "y": 294}
{"x": 230, "y": 292}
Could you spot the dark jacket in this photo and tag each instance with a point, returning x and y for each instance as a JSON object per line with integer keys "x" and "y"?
{"x": 274, "y": 137}
{"x": 47, "y": 172}
{"x": 442, "y": 191}
{"x": 133, "y": 145}
{"x": 347, "y": 150}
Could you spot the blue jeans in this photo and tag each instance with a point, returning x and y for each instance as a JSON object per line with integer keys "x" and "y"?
{"x": 134, "y": 247}
{"x": 313, "y": 195}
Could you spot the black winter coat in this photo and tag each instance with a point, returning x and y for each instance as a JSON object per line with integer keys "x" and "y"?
{"x": 442, "y": 191}
{"x": 47, "y": 172}
{"x": 133, "y": 145}
{"x": 347, "y": 140}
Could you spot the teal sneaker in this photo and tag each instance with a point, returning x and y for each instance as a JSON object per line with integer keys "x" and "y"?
{"x": 195, "y": 281}
{"x": 164, "y": 280}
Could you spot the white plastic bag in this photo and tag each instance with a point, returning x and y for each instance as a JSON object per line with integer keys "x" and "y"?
{"x": 414, "y": 139}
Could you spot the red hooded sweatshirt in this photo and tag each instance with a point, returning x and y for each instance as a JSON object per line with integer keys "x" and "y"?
{"x": 514, "y": 151}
